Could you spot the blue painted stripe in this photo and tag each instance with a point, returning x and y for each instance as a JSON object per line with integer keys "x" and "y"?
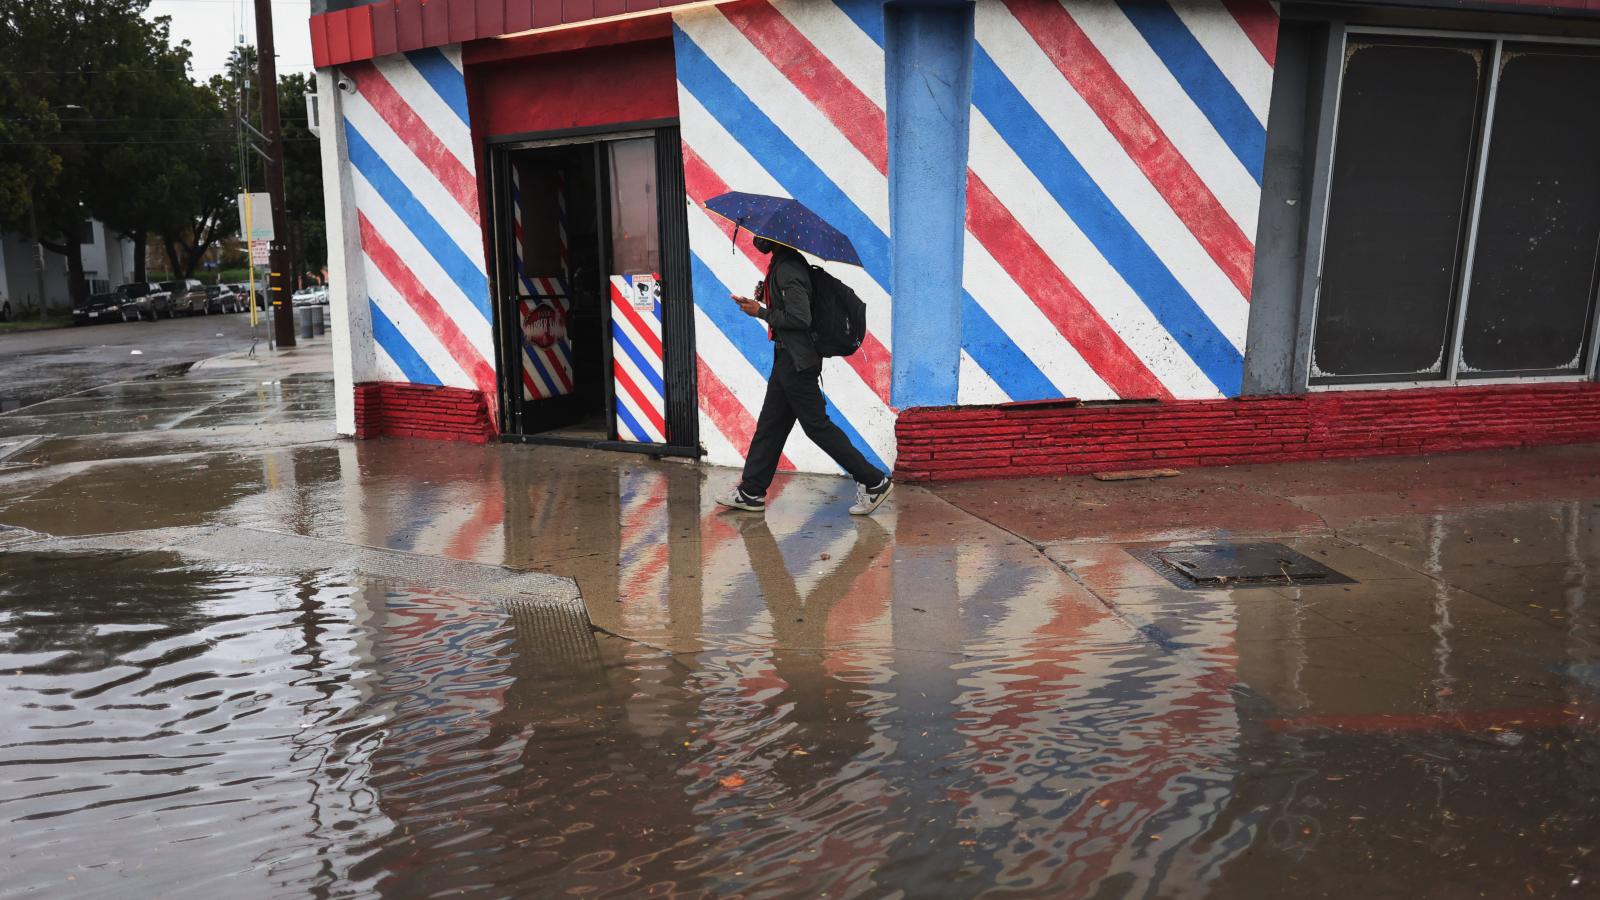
{"x": 649, "y": 365}
{"x": 779, "y": 156}
{"x": 399, "y": 349}
{"x": 1064, "y": 177}
{"x": 1200, "y": 78}
{"x": 445, "y": 79}
{"x": 528, "y": 351}
{"x": 625, "y": 418}
{"x": 868, "y": 16}
{"x": 999, "y": 356}
{"x": 415, "y": 217}
{"x": 752, "y": 344}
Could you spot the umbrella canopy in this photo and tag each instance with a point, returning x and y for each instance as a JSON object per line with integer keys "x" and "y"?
{"x": 785, "y": 221}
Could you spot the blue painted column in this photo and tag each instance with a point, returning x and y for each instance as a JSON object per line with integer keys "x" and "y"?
{"x": 928, "y": 75}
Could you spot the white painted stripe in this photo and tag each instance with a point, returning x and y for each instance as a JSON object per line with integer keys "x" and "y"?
{"x": 412, "y": 328}
{"x": 1027, "y": 326}
{"x": 385, "y": 368}
{"x": 719, "y": 448}
{"x": 749, "y": 387}
{"x": 811, "y": 131}
{"x": 1231, "y": 49}
{"x": 423, "y": 267}
{"x": 974, "y": 387}
{"x": 429, "y": 107}
{"x": 418, "y": 178}
{"x": 849, "y": 48}
{"x": 1038, "y": 213}
{"x": 652, "y": 396}
{"x": 740, "y": 172}
{"x": 853, "y": 397}
{"x": 1110, "y": 167}
{"x": 1178, "y": 117}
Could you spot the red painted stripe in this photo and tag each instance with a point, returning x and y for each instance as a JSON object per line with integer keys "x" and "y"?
{"x": 416, "y": 135}
{"x": 727, "y": 413}
{"x": 1260, "y": 23}
{"x": 491, "y": 513}
{"x": 1057, "y": 297}
{"x": 558, "y": 366}
{"x": 641, "y": 403}
{"x": 528, "y": 385}
{"x": 1113, "y": 102}
{"x": 426, "y": 307}
{"x": 872, "y": 361}
{"x": 620, "y": 304}
{"x": 809, "y": 69}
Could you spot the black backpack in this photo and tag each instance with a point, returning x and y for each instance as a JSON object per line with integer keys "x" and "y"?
{"x": 838, "y": 317}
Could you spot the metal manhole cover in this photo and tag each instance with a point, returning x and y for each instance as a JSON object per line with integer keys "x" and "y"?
{"x": 1220, "y": 566}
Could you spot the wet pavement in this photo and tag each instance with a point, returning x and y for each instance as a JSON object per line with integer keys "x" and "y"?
{"x": 978, "y": 692}
{"x": 41, "y": 365}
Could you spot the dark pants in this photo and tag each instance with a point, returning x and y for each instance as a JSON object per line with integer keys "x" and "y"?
{"x": 797, "y": 397}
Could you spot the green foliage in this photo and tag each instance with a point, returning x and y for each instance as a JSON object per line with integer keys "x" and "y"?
{"x": 100, "y": 118}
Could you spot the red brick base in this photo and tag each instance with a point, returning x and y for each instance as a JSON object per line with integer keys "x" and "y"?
{"x": 949, "y": 443}
{"x": 385, "y": 409}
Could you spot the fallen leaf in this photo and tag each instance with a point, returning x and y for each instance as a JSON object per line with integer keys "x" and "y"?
{"x": 732, "y": 781}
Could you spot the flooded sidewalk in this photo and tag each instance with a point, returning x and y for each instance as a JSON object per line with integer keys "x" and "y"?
{"x": 241, "y": 656}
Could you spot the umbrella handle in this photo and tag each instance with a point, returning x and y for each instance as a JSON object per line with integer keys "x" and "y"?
{"x": 733, "y": 243}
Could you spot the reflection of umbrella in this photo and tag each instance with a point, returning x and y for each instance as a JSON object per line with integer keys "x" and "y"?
{"x": 784, "y": 221}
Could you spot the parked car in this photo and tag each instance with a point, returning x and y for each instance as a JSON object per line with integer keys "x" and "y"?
{"x": 147, "y": 299}
{"x": 102, "y": 308}
{"x": 222, "y": 298}
{"x": 188, "y": 296}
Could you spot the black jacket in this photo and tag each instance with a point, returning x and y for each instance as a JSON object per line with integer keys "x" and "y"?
{"x": 788, "y": 309}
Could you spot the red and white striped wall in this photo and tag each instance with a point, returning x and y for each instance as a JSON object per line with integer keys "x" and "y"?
{"x": 1114, "y": 170}
{"x": 785, "y": 98}
{"x": 414, "y": 187}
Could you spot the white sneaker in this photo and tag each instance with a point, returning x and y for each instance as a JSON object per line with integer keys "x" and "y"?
{"x": 734, "y": 498}
{"x": 869, "y": 499}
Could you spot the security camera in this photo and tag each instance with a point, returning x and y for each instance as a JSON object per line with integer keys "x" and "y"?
{"x": 346, "y": 85}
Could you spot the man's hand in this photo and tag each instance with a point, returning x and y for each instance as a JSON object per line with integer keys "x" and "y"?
{"x": 750, "y": 307}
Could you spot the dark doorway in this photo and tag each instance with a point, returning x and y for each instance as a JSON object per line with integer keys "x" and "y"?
{"x": 594, "y": 307}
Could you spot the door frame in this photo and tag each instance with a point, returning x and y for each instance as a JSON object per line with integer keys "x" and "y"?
{"x": 677, "y": 307}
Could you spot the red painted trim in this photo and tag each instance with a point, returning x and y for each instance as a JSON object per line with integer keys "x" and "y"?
{"x": 949, "y": 443}
{"x": 384, "y": 40}
{"x": 580, "y": 89}
{"x": 361, "y": 40}
{"x": 393, "y": 26}
{"x": 415, "y": 134}
{"x": 319, "y": 42}
{"x": 463, "y": 20}
{"x": 1082, "y": 64}
{"x": 408, "y": 25}
{"x": 1057, "y": 297}
{"x": 339, "y": 37}
{"x": 394, "y": 409}
{"x": 426, "y": 306}
{"x": 604, "y": 34}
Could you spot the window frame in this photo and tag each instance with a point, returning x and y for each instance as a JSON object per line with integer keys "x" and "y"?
{"x": 1323, "y": 194}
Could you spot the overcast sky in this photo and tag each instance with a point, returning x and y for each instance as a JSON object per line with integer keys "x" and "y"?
{"x": 212, "y": 28}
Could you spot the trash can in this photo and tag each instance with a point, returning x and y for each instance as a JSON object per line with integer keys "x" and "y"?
{"x": 319, "y": 321}
{"x": 305, "y": 322}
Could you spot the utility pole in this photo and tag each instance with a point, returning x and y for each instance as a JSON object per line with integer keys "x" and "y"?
{"x": 279, "y": 292}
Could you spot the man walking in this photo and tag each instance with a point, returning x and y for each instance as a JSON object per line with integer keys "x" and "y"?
{"x": 794, "y": 392}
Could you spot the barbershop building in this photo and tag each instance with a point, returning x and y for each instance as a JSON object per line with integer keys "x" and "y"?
{"x": 1095, "y": 234}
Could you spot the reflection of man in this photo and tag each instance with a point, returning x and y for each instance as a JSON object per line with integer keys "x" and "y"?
{"x": 824, "y": 710}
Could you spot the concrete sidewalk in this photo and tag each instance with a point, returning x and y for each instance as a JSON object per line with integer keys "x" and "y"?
{"x": 1267, "y": 735}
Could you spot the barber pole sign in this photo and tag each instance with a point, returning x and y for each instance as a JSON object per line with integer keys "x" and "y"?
{"x": 543, "y": 305}
{"x": 636, "y": 365}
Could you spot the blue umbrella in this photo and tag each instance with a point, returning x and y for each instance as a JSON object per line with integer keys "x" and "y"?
{"x": 786, "y": 221}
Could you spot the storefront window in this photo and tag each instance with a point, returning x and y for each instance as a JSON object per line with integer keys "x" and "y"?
{"x": 1463, "y": 212}
{"x": 635, "y": 244}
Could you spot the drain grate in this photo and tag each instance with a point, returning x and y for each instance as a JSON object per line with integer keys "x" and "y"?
{"x": 1226, "y": 566}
